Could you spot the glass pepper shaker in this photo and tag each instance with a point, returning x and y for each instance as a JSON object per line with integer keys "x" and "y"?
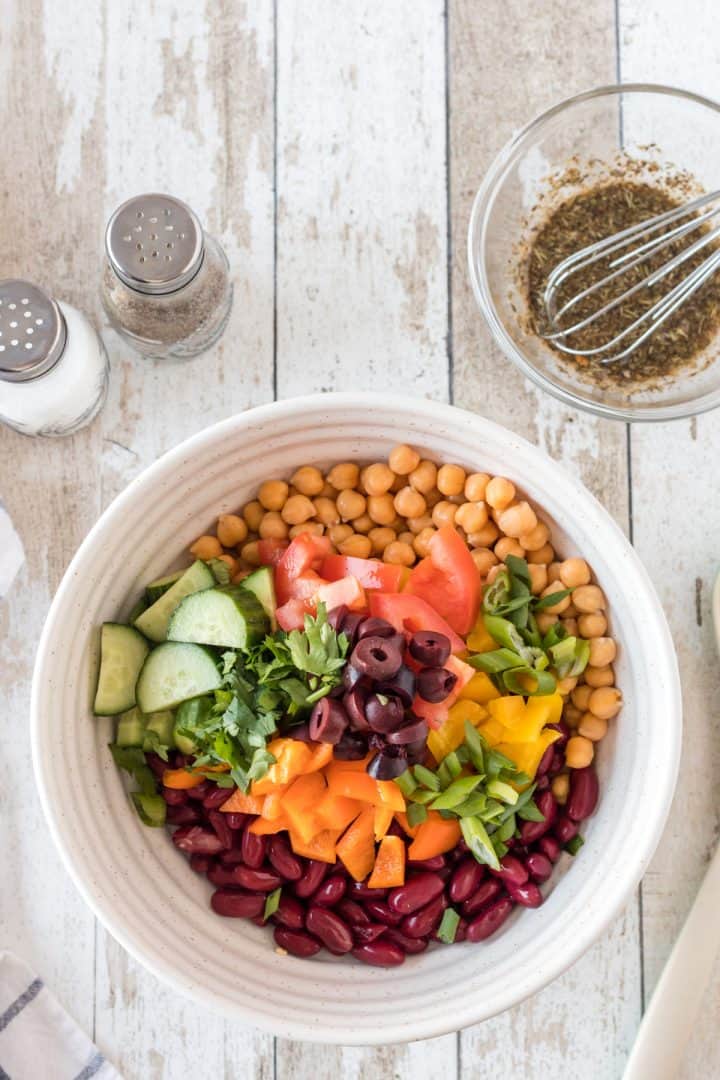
{"x": 166, "y": 284}
{"x": 53, "y": 365}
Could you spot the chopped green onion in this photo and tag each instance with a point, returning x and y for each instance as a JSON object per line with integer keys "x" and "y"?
{"x": 518, "y": 568}
{"x": 448, "y": 926}
{"x": 422, "y": 796}
{"x": 444, "y": 775}
{"x": 503, "y": 631}
{"x": 544, "y": 682}
{"x": 406, "y": 782}
{"x": 500, "y": 790}
{"x": 552, "y": 599}
{"x": 531, "y": 813}
{"x": 554, "y": 636}
{"x": 151, "y": 808}
{"x": 497, "y": 593}
{"x": 573, "y": 846}
{"x": 455, "y": 794}
{"x": 470, "y": 807}
{"x": 496, "y": 661}
{"x": 416, "y": 814}
{"x": 476, "y": 746}
{"x": 506, "y": 829}
{"x": 477, "y": 839}
{"x": 495, "y": 762}
{"x": 501, "y": 849}
{"x": 272, "y": 903}
{"x": 427, "y": 778}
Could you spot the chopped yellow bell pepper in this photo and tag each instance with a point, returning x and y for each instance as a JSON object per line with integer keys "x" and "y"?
{"x": 493, "y": 731}
{"x": 452, "y": 733}
{"x": 538, "y": 712}
{"x": 480, "y": 689}
{"x": 508, "y": 710}
{"x": 478, "y": 640}
{"x": 527, "y": 755}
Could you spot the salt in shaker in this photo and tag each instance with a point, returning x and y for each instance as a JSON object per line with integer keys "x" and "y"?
{"x": 53, "y": 365}
{"x": 166, "y": 285}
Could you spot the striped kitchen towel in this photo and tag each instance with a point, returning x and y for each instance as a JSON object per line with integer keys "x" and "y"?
{"x": 38, "y": 1039}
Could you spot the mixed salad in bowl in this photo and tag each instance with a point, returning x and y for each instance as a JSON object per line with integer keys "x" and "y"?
{"x": 369, "y": 708}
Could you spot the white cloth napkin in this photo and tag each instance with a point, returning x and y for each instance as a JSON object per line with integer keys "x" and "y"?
{"x": 38, "y": 1039}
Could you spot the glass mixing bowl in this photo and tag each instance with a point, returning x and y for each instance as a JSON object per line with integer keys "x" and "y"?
{"x": 663, "y": 136}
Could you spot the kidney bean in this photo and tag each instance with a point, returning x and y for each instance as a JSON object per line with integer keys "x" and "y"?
{"x": 283, "y": 858}
{"x": 201, "y": 863}
{"x": 312, "y": 877}
{"x": 157, "y": 764}
{"x": 218, "y": 796}
{"x": 542, "y": 783}
{"x": 557, "y": 763}
{"x": 436, "y": 863}
{"x": 330, "y": 928}
{"x": 173, "y": 797}
{"x": 583, "y": 794}
{"x": 487, "y": 891}
{"x": 528, "y": 894}
{"x": 222, "y": 877}
{"x": 352, "y": 912}
{"x": 530, "y": 831}
{"x": 566, "y": 828}
{"x": 461, "y": 931}
{"x": 290, "y": 912}
{"x": 409, "y": 945}
{"x": 415, "y": 893}
{"x": 564, "y": 730}
{"x": 237, "y": 905}
{"x": 380, "y": 911}
{"x": 258, "y": 920}
{"x": 361, "y": 891}
{"x": 256, "y": 880}
{"x": 221, "y": 828}
{"x": 368, "y": 932}
{"x": 466, "y": 879}
{"x": 489, "y": 920}
{"x": 550, "y": 847}
{"x": 545, "y": 761}
{"x": 539, "y": 867}
{"x": 236, "y": 821}
{"x": 296, "y": 942}
{"x": 182, "y": 815}
{"x": 253, "y": 849}
{"x": 195, "y": 840}
{"x": 200, "y": 791}
{"x": 382, "y": 953}
{"x": 233, "y": 857}
{"x": 423, "y": 922}
{"x": 331, "y": 891}
{"x": 511, "y": 871}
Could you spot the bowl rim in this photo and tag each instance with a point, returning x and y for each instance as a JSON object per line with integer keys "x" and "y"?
{"x": 70, "y": 849}
{"x": 477, "y": 229}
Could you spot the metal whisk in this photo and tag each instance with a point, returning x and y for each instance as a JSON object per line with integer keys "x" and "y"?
{"x": 627, "y": 255}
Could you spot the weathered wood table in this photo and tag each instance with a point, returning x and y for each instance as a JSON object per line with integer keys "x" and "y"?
{"x": 335, "y": 148}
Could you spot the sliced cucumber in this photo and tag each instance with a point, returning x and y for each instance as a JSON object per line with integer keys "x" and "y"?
{"x": 137, "y": 609}
{"x": 229, "y": 617}
{"x": 173, "y": 673}
{"x": 122, "y": 654}
{"x": 151, "y": 808}
{"x": 162, "y": 723}
{"x": 153, "y": 623}
{"x": 190, "y": 716}
{"x": 156, "y": 588}
{"x": 262, "y": 585}
{"x": 131, "y": 729}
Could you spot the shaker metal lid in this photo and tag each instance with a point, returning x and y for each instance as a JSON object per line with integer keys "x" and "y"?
{"x": 32, "y": 331}
{"x": 154, "y": 243}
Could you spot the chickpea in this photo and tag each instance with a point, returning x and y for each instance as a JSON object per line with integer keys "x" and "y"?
{"x": 308, "y": 480}
{"x": 350, "y": 504}
{"x": 493, "y": 573}
{"x": 579, "y": 752}
{"x": 230, "y": 562}
{"x": 356, "y": 545}
{"x": 554, "y": 571}
{"x": 538, "y": 578}
{"x": 600, "y": 676}
{"x": 297, "y": 510}
{"x": 345, "y": 475}
{"x": 555, "y": 609}
{"x": 444, "y": 514}
{"x": 499, "y": 492}
{"x": 231, "y": 530}
{"x": 363, "y": 524}
{"x": 326, "y": 511}
{"x": 253, "y": 513}
{"x": 313, "y": 528}
{"x": 272, "y": 494}
{"x": 403, "y": 459}
{"x": 571, "y": 612}
{"x": 561, "y": 788}
{"x": 580, "y": 697}
{"x": 603, "y": 651}
{"x": 571, "y": 716}
{"x": 566, "y": 685}
{"x": 398, "y": 483}
{"x": 381, "y": 508}
{"x": 250, "y": 554}
{"x": 472, "y": 516}
{"x": 409, "y": 503}
{"x": 589, "y": 599}
{"x": 592, "y": 727}
{"x": 484, "y": 537}
{"x": 507, "y": 546}
{"x": 424, "y": 477}
{"x": 206, "y": 547}
{"x": 417, "y": 524}
{"x": 592, "y": 626}
{"x": 517, "y": 519}
{"x": 536, "y": 538}
{"x": 432, "y": 497}
{"x": 475, "y": 485}
{"x": 543, "y": 555}
{"x": 406, "y": 537}
{"x": 328, "y": 491}
{"x": 421, "y": 542}
{"x": 574, "y": 572}
{"x": 337, "y": 534}
{"x": 545, "y": 620}
{"x": 380, "y": 537}
{"x": 272, "y": 526}
{"x": 377, "y": 478}
{"x": 451, "y": 480}
{"x": 399, "y": 553}
{"x": 605, "y": 702}
{"x": 484, "y": 559}
{"x": 570, "y": 624}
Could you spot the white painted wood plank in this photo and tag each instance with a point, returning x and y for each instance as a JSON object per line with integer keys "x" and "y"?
{"x": 509, "y": 61}
{"x": 676, "y": 518}
{"x": 361, "y": 272}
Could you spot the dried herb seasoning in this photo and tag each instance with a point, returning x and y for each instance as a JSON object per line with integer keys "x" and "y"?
{"x": 592, "y": 216}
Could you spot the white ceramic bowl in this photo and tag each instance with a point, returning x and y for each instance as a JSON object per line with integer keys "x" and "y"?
{"x": 142, "y": 888}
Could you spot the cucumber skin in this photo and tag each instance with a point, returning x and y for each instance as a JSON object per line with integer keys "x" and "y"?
{"x": 262, "y": 585}
{"x": 205, "y": 660}
{"x": 248, "y": 609}
{"x": 128, "y": 701}
{"x": 130, "y": 729}
{"x": 155, "y": 589}
{"x": 153, "y": 622}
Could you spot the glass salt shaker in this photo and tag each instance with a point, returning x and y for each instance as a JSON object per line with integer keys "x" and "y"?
{"x": 53, "y": 365}
{"x": 166, "y": 284}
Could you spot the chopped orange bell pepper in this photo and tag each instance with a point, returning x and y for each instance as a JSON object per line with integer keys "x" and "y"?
{"x": 391, "y": 795}
{"x": 357, "y": 847}
{"x": 181, "y": 778}
{"x": 240, "y": 803}
{"x": 337, "y": 811}
{"x": 299, "y": 803}
{"x": 435, "y": 836}
{"x": 273, "y": 803}
{"x": 320, "y": 847}
{"x": 383, "y": 820}
{"x": 389, "y": 869}
{"x": 322, "y": 753}
{"x": 410, "y": 830}
{"x": 261, "y": 827}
